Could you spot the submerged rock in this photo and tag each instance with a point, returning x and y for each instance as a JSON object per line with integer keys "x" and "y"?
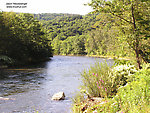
{"x": 58, "y": 96}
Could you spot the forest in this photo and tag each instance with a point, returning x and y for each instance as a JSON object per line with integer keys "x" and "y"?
{"x": 99, "y": 34}
{"x": 22, "y": 40}
{"x": 34, "y": 37}
{"x": 91, "y": 34}
{"x": 118, "y": 29}
{"x": 66, "y": 31}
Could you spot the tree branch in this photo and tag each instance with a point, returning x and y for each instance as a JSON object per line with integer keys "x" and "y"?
{"x": 121, "y": 18}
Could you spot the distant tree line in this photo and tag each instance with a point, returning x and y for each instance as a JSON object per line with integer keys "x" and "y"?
{"x": 92, "y": 34}
{"x": 108, "y": 32}
{"x": 64, "y": 25}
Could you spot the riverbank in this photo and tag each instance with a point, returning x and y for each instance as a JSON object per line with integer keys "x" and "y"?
{"x": 102, "y": 56}
{"x": 110, "y": 57}
{"x": 118, "y": 89}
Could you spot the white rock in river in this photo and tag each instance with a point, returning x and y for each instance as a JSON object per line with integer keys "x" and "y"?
{"x": 58, "y": 96}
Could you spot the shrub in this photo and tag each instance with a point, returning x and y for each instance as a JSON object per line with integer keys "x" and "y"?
{"x": 132, "y": 86}
{"x": 121, "y": 74}
{"x": 134, "y": 97}
{"x": 97, "y": 80}
{"x": 78, "y": 102}
{"x": 102, "y": 81}
{"x": 124, "y": 61}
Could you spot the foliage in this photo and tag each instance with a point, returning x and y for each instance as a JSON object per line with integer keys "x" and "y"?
{"x": 97, "y": 80}
{"x": 73, "y": 45}
{"x": 101, "y": 36}
{"x": 66, "y": 31}
{"x": 92, "y": 34}
{"x": 78, "y": 99}
{"x": 5, "y": 60}
{"x": 67, "y": 25}
{"x": 22, "y": 38}
{"x": 131, "y": 18}
{"x": 133, "y": 97}
{"x": 102, "y": 81}
{"x": 53, "y": 16}
{"x": 124, "y": 61}
{"x": 104, "y": 41}
{"x": 118, "y": 28}
{"x": 121, "y": 74}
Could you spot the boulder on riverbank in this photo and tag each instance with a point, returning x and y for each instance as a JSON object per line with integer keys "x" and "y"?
{"x": 58, "y": 96}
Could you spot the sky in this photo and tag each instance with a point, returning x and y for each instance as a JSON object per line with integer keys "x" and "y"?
{"x": 46, "y": 6}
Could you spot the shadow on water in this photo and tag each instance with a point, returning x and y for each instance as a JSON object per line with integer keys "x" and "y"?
{"x": 23, "y": 79}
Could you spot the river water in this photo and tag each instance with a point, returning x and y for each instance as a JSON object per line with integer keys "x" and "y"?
{"x": 30, "y": 89}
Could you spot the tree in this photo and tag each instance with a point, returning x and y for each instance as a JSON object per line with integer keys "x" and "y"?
{"x": 132, "y": 18}
{"x": 56, "y": 46}
{"x": 78, "y": 45}
{"x": 23, "y": 39}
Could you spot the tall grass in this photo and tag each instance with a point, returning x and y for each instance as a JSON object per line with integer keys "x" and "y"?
{"x": 97, "y": 80}
{"x": 125, "y": 89}
{"x": 102, "y": 80}
{"x": 134, "y": 97}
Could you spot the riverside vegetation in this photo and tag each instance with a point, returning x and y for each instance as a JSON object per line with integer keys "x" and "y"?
{"x": 117, "y": 28}
{"x": 121, "y": 89}
{"x": 113, "y": 30}
{"x": 124, "y": 87}
{"x": 22, "y": 40}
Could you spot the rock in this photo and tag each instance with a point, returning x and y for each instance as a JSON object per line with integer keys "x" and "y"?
{"x": 58, "y": 96}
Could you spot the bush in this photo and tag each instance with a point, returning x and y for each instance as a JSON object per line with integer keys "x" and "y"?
{"x": 121, "y": 74}
{"x": 97, "y": 80}
{"x": 134, "y": 97}
{"x": 128, "y": 88}
{"x": 78, "y": 102}
{"x": 102, "y": 81}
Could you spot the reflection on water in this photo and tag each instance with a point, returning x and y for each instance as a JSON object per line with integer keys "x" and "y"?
{"x": 14, "y": 81}
{"x": 31, "y": 89}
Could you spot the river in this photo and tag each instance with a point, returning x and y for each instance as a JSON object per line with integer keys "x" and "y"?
{"x": 30, "y": 89}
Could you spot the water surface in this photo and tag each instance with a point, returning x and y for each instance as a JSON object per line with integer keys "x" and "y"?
{"x": 31, "y": 89}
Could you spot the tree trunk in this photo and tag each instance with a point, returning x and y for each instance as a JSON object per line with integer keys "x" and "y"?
{"x": 137, "y": 55}
{"x": 136, "y": 48}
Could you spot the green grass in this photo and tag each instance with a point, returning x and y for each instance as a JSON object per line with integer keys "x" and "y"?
{"x": 128, "y": 89}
